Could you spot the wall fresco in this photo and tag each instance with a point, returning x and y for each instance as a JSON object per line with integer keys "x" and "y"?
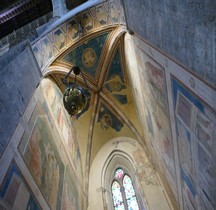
{"x": 43, "y": 160}
{"x": 72, "y": 29}
{"x": 196, "y": 132}
{"x": 61, "y": 120}
{"x": 47, "y": 48}
{"x": 87, "y": 21}
{"x": 49, "y": 140}
{"x": 156, "y": 115}
{"x": 15, "y": 193}
{"x": 70, "y": 198}
{"x": 59, "y": 39}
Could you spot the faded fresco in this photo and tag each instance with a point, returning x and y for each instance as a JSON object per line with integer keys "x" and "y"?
{"x": 39, "y": 56}
{"x": 47, "y": 48}
{"x": 62, "y": 121}
{"x": 114, "y": 11}
{"x": 115, "y": 81}
{"x": 70, "y": 198}
{"x": 72, "y": 29}
{"x": 156, "y": 114}
{"x": 15, "y": 193}
{"x": 87, "y": 21}
{"x": 59, "y": 38}
{"x": 43, "y": 160}
{"x": 196, "y": 132}
{"x": 101, "y": 14}
{"x": 108, "y": 120}
{"x": 49, "y": 144}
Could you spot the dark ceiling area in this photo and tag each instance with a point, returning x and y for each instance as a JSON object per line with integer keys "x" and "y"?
{"x": 74, "y": 3}
{"x": 15, "y": 14}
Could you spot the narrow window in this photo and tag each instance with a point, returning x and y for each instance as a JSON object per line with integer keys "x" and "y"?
{"x": 123, "y": 193}
{"x": 117, "y": 196}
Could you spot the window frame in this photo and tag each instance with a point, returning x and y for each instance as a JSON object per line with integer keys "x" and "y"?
{"x": 122, "y": 189}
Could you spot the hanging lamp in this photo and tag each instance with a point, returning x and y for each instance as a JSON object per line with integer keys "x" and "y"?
{"x": 75, "y": 97}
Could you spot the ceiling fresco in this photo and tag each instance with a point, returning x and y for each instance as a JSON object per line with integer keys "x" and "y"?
{"x": 108, "y": 124}
{"x": 87, "y": 55}
{"x": 57, "y": 40}
{"x": 108, "y": 119}
{"x": 114, "y": 90}
{"x": 115, "y": 80}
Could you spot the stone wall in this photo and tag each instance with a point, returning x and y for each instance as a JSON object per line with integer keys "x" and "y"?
{"x": 19, "y": 76}
{"x": 185, "y": 30}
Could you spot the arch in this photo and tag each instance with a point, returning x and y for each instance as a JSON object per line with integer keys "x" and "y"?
{"x": 118, "y": 160}
{"x": 117, "y": 153}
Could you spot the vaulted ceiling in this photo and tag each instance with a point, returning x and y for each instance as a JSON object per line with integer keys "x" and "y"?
{"x": 110, "y": 111}
{"x": 98, "y": 49}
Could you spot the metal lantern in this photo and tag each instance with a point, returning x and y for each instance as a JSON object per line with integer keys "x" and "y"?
{"x": 75, "y": 97}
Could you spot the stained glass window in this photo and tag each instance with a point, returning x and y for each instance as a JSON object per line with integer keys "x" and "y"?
{"x": 123, "y": 192}
{"x": 129, "y": 190}
{"x": 117, "y": 196}
{"x": 130, "y": 193}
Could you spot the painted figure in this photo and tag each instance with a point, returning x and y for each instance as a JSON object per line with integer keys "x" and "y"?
{"x": 35, "y": 162}
{"x": 73, "y": 29}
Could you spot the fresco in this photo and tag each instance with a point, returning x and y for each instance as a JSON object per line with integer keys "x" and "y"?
{"x": 86, "y": 56}
{"x": 114, "y": 11}
{"x": 185, "y": 154}
{"x": 103, "y": 15}
{"x": 53, "y": 98}
{"x": 47, "y": 48}
{"x": 72, "y": 29}
{"x": 43, "y": 160}
{"x": 39, "y": 57}
{"x": 49, "y": 140}
{"x": 59, "y": 38}
{"x": 115, "y": 80}
{"x": 70, "y": 198}
{"x": 61, "y": 121}
{"x": 87, "y": 21}
{"x": 108, "y": 120}
{"x": 15, "y": 193}
{"x": 197, "y": 143}
{"x": 156, "y": 115}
